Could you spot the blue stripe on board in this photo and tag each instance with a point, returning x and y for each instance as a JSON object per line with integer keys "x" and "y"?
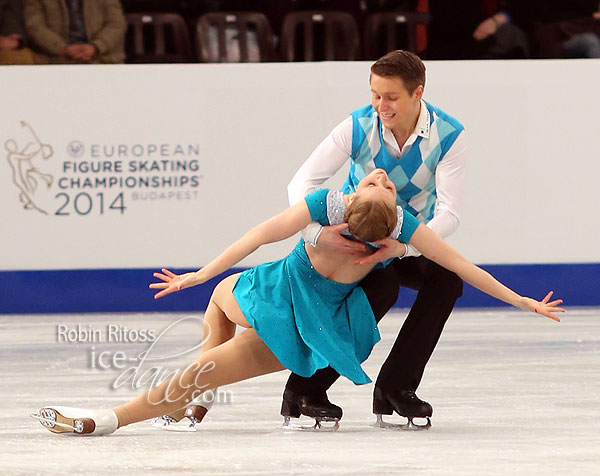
{"x": 126, "y": 290}
{"x": 578, "y": 284}
{"x": 95, "y": 290}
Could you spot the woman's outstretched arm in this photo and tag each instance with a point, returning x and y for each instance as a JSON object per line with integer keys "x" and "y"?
{"x": 432, "y": 246}
{"x": 281, "y": 226}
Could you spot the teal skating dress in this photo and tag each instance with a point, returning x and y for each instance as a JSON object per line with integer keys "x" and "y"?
{"x": 308, "y": 321}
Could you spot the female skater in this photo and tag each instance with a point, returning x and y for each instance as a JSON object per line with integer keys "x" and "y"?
{"x": 303, "y": 313}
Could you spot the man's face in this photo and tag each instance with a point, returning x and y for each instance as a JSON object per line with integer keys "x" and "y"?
{"x": 394, "y": 105}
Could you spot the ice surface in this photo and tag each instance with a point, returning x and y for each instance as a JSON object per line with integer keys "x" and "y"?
{"x": 513, "y": 393}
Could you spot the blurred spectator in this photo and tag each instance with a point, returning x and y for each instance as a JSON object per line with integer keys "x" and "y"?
{"x": 463, "y": 29}
{"x": 557, "y": 28}
{"x": 12, "y": 34}
{"x": 77, "y": 31}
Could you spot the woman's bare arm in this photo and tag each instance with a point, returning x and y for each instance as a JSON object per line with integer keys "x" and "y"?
{"x": 281, "y": 226}
{"x": 432, "y": 246}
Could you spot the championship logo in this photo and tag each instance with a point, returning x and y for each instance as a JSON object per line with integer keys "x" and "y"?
{"x": 94, "y": 179}
{"x": 26, "y": 159}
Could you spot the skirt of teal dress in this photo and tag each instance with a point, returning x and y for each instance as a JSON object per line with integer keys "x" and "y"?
{"x": 308, "y": 321}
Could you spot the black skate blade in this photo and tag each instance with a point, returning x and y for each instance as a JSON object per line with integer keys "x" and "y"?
{"x": 288, "y": 425}
{"x": 410, "y": 425}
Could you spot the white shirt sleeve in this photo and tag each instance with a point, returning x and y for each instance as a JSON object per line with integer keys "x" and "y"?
{"x": 449, "y": 182}
{"x": 328, "y": 157}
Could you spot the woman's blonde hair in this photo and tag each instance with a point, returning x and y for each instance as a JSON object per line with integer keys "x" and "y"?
{"x": 370, "y": 220}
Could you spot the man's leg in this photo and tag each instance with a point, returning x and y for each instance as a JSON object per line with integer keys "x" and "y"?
{"x": 20, "y": 56}
{"x": 308, "y": 396}
{"x": 402, "y": 371}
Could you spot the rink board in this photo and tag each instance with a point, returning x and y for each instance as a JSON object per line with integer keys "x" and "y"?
{"x": 152, "y": 166}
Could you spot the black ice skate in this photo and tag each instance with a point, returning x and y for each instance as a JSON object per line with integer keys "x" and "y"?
{"x": 406, "y": 404}
{"x": 194, "y": 413}
{"x": 321, "y": 409}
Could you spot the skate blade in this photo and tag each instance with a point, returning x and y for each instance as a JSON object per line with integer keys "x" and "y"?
{"x": 58, "y": 423}
{"x": 409, "y": 426}
{"x": 178, "y": 426}
{"x": 318, "y": 426}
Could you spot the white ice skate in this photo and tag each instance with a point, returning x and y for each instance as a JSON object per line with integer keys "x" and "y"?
{"x": 194, "y": 414}
{"x": 77, "y": 420}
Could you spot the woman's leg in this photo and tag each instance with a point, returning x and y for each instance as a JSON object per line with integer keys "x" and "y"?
{"x": 222, "y": 315}
{"x": 241, "y": 357}
{"x": 216, "y": 329}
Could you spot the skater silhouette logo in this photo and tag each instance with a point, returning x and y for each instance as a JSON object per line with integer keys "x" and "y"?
{"x": 26, "y": 160}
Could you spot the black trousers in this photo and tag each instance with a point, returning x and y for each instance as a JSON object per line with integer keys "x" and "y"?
{"x": 403, "y": 369}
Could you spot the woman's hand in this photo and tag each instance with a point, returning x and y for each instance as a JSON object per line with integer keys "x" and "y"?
{"x": 544, "y": 307}
{"x": 172, "y": 282}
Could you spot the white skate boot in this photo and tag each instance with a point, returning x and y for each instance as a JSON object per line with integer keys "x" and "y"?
{"x": 186, "y": 420}
{"x": 77, "y": 420}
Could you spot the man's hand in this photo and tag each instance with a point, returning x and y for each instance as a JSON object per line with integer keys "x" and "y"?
{"x": 83, "y": 52}
{"x": 389, "y": 249}
{"x": 10, "y": 42}
{"x": 331, "y": 239}
{"x": 87, "y": 53}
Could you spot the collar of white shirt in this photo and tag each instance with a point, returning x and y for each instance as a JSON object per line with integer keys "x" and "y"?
{"x": 421, "y": 129}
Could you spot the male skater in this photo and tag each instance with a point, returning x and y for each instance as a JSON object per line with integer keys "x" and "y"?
{"x": 423, "y": 151}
